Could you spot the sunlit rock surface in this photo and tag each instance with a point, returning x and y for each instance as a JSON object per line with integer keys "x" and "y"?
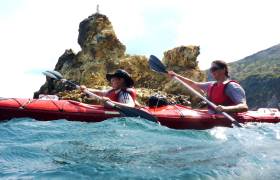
{"x": 102, "y": 52}
{"x": 183, "y": 60}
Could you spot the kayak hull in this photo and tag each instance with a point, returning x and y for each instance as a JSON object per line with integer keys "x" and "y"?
{"x": 172, "y": 116}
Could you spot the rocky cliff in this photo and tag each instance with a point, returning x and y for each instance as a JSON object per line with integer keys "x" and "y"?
{"x": 102, "y": 52}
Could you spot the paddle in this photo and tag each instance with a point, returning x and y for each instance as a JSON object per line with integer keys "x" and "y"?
{"x": 156, "y": 65}
{"x": 124, "y": 110}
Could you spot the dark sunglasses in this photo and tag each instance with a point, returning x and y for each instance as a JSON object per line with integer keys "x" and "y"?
{"x": 213, "y": 69}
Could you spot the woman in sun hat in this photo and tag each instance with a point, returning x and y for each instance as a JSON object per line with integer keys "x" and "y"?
{"x": 122, "y": 91}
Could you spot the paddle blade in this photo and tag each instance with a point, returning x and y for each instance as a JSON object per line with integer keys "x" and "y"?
{"x": 156, "y": 65}
{"x": 56, "y": 74}
{"x": 50, "y": 75}
{"x": 133, "y": 112}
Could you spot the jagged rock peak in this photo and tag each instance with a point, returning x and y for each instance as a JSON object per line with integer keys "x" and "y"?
{"x": 95, "y": 29}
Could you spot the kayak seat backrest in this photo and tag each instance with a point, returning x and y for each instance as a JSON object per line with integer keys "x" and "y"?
{"x": 157, "y": 101}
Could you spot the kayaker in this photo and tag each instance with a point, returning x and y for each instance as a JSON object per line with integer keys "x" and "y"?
{"x": 227, "y": 94}
{"x": 122, "y": 91}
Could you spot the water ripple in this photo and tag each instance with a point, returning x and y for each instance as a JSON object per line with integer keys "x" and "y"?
{"x": 132, "y": 148}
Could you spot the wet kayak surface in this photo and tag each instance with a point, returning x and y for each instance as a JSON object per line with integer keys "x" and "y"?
{"x": 132, "y": 148}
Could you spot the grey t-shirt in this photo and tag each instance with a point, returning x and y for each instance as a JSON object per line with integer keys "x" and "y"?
{"x": 233, "y": 90}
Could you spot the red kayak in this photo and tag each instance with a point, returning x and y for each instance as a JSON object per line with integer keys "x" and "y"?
{"x": 173, "y": 116}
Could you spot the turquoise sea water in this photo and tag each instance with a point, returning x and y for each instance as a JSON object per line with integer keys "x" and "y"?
{"x": 131, "y": 148}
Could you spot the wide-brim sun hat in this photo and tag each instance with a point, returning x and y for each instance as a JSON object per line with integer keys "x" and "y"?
{"x": 120, "y": 73}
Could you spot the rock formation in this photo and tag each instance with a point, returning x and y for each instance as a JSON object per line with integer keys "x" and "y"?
{"x": 102, "y": 52}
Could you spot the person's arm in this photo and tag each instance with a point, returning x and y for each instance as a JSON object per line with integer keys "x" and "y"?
{"x": 237, "y": 95}
{"x": 195, "y": 85}
{"x": 95, "y": 91}
{"x": 241, "y": 107}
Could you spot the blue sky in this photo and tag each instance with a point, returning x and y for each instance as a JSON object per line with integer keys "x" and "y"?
{"x": 8, "y": 7}
{"x": 34, "y": 33}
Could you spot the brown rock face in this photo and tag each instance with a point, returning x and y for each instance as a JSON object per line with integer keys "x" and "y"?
{"x": 97, "y": 37}
{"x": 182, "y": 60}
{"x": 102, "y": 52}
{"x": 139, "y": 69}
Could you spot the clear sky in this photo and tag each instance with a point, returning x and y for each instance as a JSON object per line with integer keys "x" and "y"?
{"x": 34, "y": 33}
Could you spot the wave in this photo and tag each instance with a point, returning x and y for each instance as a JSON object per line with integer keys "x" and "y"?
{"x": 135, "y": 148}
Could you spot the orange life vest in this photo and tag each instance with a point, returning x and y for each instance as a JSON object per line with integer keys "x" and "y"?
{"x": 216, "y": 94}
{"x": 114, "y": 94}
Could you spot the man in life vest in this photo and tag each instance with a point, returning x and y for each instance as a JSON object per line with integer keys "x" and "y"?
{"x": 227, "y": 94}
{"x": 122, "y": 92}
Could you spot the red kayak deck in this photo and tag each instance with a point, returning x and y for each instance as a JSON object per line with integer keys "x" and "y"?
{"x": 173, "y": 116}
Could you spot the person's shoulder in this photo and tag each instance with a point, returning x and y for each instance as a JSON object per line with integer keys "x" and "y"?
{"x": 234, "y": 84}
{"x": 130, "y": 90}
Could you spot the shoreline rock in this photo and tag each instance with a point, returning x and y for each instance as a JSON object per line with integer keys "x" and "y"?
{"x": 102, "y": 52}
